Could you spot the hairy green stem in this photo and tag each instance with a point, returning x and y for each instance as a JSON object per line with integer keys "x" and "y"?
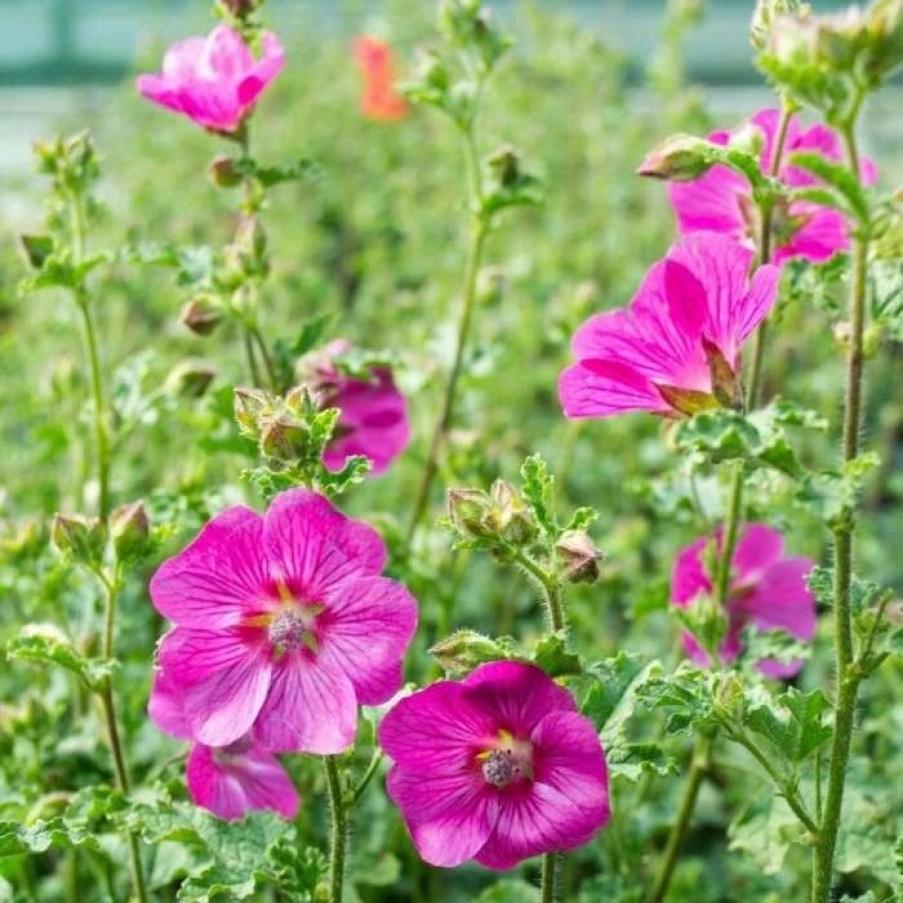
{"x": 551, "y": 590}
{"x": 479, "y": 228}
{"x": 849, "y": 675}
{"x": 338, "y": 843}
{"x": 549, "y": 886}
{"x": 369, "y": 774}
{"x": 698, "y": 767}
{"x": 120, "y": 767}
{"x": 101, "y": 439}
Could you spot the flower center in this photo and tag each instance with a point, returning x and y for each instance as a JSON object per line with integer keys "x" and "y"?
{"x": 287, "y": 630}
{"x": 507, "y": 762}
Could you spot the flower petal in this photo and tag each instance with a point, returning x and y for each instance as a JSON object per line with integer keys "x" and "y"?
{"x": 516, "y": 696}
{"x": 311, "y": 707}
{"x": 230, "y": 785}
{"x": 449, "y": 816}
{"x": 758, "y": 548}
{"x": 314, "y": 547}
{"x": 710, "y": 203}
{"x": 436, "y": 731}
{"x": 226, "y": 57}
{"x": 263, "y": 71}
{"x": 223, "y": 677}
{"x": 594, "y": 388}
{"x": 166, "y": 709}
{"x": 689, "y": 577}
{"x": 219, "y": 578}
{"x": 367, "y": 626}
{"x": 782, "y": 601}
{"x": 161, "y": 91}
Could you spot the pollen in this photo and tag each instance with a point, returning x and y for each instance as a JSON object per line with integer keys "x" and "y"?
{"x": 288, "y": 631}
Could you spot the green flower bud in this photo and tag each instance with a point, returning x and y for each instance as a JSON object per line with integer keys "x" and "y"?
{"x": 509, "y": 517}
{"x": 223, "y": 173}
{"x": 82, "y": 538}
{"x": 36, "y": 249}
{"x": 130, "y": 530}
{"x": 464, "y": 650}
{"x": 467, "y": 509}
{"x": 284, "y": 437}
{"x": 189, "y": 379}
{"x": 251, "y": 407}
{"x": 680, "y": 158}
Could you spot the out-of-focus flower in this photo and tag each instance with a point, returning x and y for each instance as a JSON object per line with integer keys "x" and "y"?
{"x": 374, "y": 419}
{"x": 228, "y": 781}
{"x": 283, "y": 626}
{"x": 676, "y": 349}
{"x": 768, "y": 591}
{"x": 720, "y": 200}
{"x": 214, "y": 81}
{"x": 379, "y": 100}
{"x": 498, "y": 768}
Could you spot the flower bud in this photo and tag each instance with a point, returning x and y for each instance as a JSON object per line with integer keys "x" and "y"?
{"x": 84, "y": 538}
{"x": 680, "y": 158}
{"x": 504, "y": 165}
{"x": 201, "y": 315}
{"x": 36, "y": 249}
{"x": 223, "y": 173}
{"x": 466, "y": 510}
{"x": 729, "y": 697}
{"x": 251, "y": 406}
{"x": 284, "y": 437}
{"x": 189, "y": 379}
{"x": 130, "y": 529}
{"x": 766, "y": 12}
{"x": 577, "y": 557}
{"x": 241, "y": 9}
{"x": 509, "y": 516}
{"x": 464, "y": 650}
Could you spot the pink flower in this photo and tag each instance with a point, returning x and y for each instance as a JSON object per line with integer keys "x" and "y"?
{"x": 228, "y": 781}
{"x": 283, "y": 626}
{"x": 498, "y": 768}
{"x": 214, "y": 81}
{"x": 676, "y": 349}
{"x": 721, "y": 199}
{"x": 380, "y": 100}
{"x": 374, "y": 419}
{"x": 767, "y": 591}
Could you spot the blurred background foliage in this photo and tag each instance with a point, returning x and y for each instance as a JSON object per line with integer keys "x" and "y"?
{"x": 376, "y": 242}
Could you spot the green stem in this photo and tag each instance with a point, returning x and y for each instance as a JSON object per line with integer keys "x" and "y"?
{"x": 339, "y": 839}
{"x": 477, "y": 240}
{"x": 549, "y": 892}
{"x": 101, "y": 440}
{"x": 700, "y": 764}
{"x": 765, "y": 242}
{"x": 849, "y": 675}
{"x": 249, "y": 354}
{"x": 369, "y": 774}
{"x": 551, "y": 590}
{"x": 108, "y": 704}
{"x": 479, "y": 228}
{"x": 268, "y": 362}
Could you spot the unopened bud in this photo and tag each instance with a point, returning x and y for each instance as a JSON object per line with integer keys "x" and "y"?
{"x": 284, "y": 437}
{"x": 201, "y": 315}
{"x": 130, "y": 529}
{"x": 504, "y": 165}
{"x": 765, "y": 15}
{"x": 464, "y": 650}
{"x": 189, "y": 379}
{"x": 509, "y": 515}
{"x": 223, "y": 173}
{"x": 36, "y": 249}
{"x": 241, "y": 9}
{"x": 466, "y": 509}
{"x": 251, "y": 407}
{"x": 749, "y": 139}
{"x": 680, "y": 158}
{"x": 81, "y": 537}
{"x": 729, "y": 697}
{"x": 577, "y": 557}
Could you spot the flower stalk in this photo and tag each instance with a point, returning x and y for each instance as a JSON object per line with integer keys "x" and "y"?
{"x": 338, "y": 843}
{"x": 549, "y": 886}
{"x": 479, "y": 229}
{"x": 849, "y": 676}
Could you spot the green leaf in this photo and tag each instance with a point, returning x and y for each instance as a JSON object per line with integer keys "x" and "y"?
{"x": 838, "y": 176}
{"x": 44, "y": 644}
{"x": 538, "y": 488}
{"x": 794, "y": 722}
{"x": 765, "y": 832}
{"x": 510, "y": 890}
{"x": 553, "y": 656}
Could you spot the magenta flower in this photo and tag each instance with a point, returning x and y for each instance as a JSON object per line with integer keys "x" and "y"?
{"x": 721, "y": 199}
{"x": 767, "y": 591}
{"x": 214, "y": 81}
{"x": 676, "y": 349}
{"x": 228, "y": 781}
{"x": 498, "y": 768}
{"x": 283, "y": 626}
{"x": 374, "y": 420}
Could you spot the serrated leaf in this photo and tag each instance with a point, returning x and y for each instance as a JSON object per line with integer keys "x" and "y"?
{"x": 538, "y": 487}
{"x": 45, "y": 647}
{"x": 553, "y": 656}
{"x": 839, "y": 177}
{"x": 794, "y": 722}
